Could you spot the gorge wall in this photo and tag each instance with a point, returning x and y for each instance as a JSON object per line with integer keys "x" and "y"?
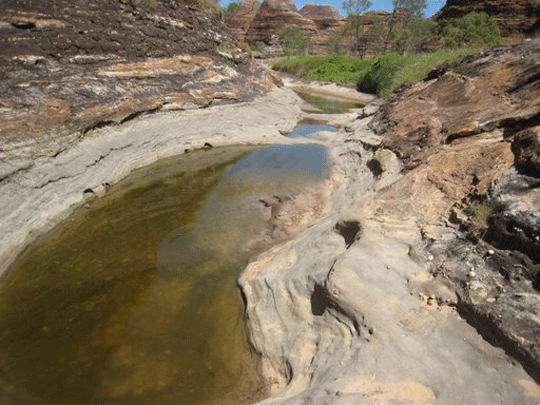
{"x": 514, "y": 17}
{"x": 70, "y": 66}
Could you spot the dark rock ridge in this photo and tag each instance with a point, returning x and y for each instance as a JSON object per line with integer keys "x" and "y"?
{"x": 71, "y": 66}
{"x": 512, "y": 16}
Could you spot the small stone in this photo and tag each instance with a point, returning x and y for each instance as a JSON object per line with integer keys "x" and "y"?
{"x": 430, "y": 258}
{"x": 472, "y": 274}
{"x": 431, "y": 301}
{"x": 491, "y": 251}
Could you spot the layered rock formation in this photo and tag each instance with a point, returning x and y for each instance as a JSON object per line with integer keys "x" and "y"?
{"x": 323, "y": 15}
{"x": 239, "y": 21}
{"x": 71, "y": 66}
{"x": 254, "y": 23}
{"x": 273, "y": 15}
{"x": 514, "y": 17}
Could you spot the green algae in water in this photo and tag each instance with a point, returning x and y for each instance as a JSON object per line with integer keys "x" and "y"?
{"x": 328, "y": 106}
{"x": 133, "y": 299}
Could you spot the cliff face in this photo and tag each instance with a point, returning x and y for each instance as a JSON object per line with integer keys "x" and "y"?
{"x": 513, "y": 16}
{"x": 69, "y": 66}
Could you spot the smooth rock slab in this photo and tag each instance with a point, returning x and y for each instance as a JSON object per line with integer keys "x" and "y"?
{"x": 34, "y": 199}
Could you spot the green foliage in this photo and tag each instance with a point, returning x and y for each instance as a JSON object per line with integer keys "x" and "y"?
{"x": 393, "y": 71}
{"x": 295, "y": 41}
{"x": 334, "y": 43}
{"x": 232, "y": 8}
{"x": 473, "y": 28}
{"x": 258, "y": 46}
{"x": 417, "y": 66}
{"x": 415, "y": 7}
{"x": 412, "y": 34}
{"x": 331, "y": 68}
{"x": 356, "y": 7}
{"x": 479, "y": 213}
{"x": 379, "y": 79}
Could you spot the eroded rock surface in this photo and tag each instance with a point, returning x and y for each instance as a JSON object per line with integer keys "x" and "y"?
{"x": 402, "y": 294}
{"x": 494, "y": 91}
{"x": 36, "y": 198}
{"x": 72, "y": 66}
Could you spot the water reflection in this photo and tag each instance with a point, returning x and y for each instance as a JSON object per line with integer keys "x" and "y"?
{"x": 133, "y": 300}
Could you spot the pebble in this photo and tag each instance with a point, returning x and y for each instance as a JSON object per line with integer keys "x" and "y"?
{"x": 472, "y": 274}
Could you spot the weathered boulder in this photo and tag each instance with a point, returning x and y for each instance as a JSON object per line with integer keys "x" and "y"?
{"x": 514, "y": 17}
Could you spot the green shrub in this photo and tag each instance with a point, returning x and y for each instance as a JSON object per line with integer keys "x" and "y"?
{"x": 294, "y": 40}
{"x": 232, "y": 8}
{"x": 379, "y": 76}
{"x": 473, "y": 28}
{"x": 379, "y": 79}
{"x": 479, "y": 213}
{"x": 258, "y": 46}
{"x": 332, "y": 68}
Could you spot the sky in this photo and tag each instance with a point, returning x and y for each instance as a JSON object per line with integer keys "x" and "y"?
{"x": 433, "y": 5}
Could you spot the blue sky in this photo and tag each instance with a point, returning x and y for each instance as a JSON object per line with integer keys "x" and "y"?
{"x": 433, "y": 5}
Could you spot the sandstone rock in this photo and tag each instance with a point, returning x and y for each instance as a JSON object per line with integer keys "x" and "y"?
{"x": 324, "y": 16}
{"x": 526, "y": 148}
{"x": 464, "y": 101}
{"x": 64, "y": 76}
{"x": 240, "y": 21}
{"x": 274, "y": 14}
{"x": 514, "y": 17}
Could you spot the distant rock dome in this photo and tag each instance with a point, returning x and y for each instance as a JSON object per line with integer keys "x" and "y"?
{"x": 323, "y": 15}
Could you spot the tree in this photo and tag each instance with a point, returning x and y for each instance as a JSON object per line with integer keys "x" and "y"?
{"x": 415, "y": 7}
{"x": 295, "y": 41}
{"x": 232, "y": 8}
{"x": 376, "y": 30}
{"x": 412, "y": 34}
{"x": 411, "y": 8}
{"x": 473, "y": 28}
{"x": 355, "y": 9}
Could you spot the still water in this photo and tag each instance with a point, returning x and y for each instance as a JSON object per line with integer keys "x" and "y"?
{"x": 328, "y": 106}
{"x": 133, "y": 299}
